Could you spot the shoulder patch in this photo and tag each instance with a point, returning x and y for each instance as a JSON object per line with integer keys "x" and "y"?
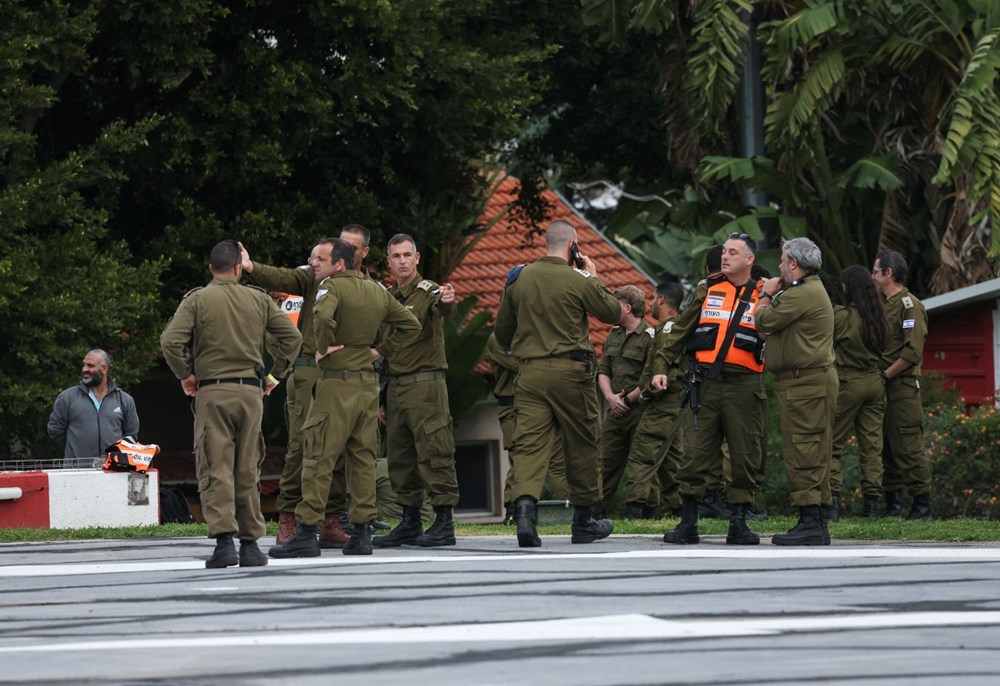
{"x": 907, "y": 301}
{"x": 668, "y": 327}
{"x": 304, "y": 267}
{"x": 426, "y": 285}
{"x": 514, "y": 273}
{"x": 193, "y": 290}
{"x": 650, "y": 331}
{"x": 582, "y": 271}
{"x": 908, "y": 323}
{"x": 320, "y": 293}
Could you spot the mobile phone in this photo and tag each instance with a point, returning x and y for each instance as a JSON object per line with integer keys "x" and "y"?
{"x": 574, "y": 253}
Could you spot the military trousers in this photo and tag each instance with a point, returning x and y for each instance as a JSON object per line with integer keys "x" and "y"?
{"x": 860, "y": 408}
{"x": 556, "y": 404}
{"x": 617, "y": 434}
{"x": 340, "y": 431}
{"x": 667, "y": 474}
{"x": 228, "y": 451}
{"x": 657, "y": 431}
{"x": 299, "y": 398}
{"x": 732, "y": 408}
{"x": 420, "y": 443}
{"x": 905, "y": 459}
{"x": 507, "y": 418}
{"x": 806, "y": 407}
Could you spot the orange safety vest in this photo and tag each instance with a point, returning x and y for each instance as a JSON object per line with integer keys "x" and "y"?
{"x": 716, "y": 311}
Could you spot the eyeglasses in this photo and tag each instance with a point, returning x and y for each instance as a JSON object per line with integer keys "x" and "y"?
{"x": 746, "y": 238}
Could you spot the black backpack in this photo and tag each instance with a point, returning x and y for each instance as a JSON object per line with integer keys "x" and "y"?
{"x": 174, "y": 508}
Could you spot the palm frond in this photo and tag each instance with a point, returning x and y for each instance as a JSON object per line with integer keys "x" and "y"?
{"x": 715, "y": 61}
{"x": 972, "y": 144}
{"x": 795, "y": 112}
{"x": 786, "y": 36}
{"x": 873, "y": 172}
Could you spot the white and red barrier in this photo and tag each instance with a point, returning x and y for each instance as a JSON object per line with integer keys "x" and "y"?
{"x": 78, "y": 498}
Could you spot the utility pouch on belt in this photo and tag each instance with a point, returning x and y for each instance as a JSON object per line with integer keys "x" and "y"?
{"x": 125, "y": 455}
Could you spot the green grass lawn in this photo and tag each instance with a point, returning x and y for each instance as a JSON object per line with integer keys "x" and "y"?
{"x": 848, "y": 529}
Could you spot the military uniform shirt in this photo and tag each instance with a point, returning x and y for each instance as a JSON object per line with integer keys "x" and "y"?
{"x": 426, "y": 353}
{"x": 214, "y": 320}
{"x": 298, "y": 281}
{"x": 799, "y": 324}
{"x": 625, "y": 355}
{"x": 848, "y": 344}
{"x": 543, "y": 313}
{"x": 368, "y": 305}
{"x": 907, "y": 331}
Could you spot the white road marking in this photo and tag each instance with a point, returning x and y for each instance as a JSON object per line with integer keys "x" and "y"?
{"x": 627, "y": 627}
{"x": 691, "y": 552}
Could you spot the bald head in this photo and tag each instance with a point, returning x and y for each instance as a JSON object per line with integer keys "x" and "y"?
{"x": 558, "y": 237}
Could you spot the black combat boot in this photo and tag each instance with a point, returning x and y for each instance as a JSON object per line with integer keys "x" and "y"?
{"x": 406, "y": 531}
{"x": 739, "y": 532}
{"x": 224, "y": 554}
{"x": 586, "y": 529}
{"x": 921, "y": 509}
{"x": 893, "y": 503}
{"x": 441, "y": 532}
{"x": 360, "y": 542}
{"x": 526, "y": 518}
{"x": 303, "y": 544}
{"x": 649, "y": 512}
{"x": 633, "y": 511}
{"x": 687, "y": 531}
{"x": 832, "y": 513}
{"x": 809, "y": 530}
{"x": 250, "y": 555}
{"x": 597, "y": 510}
{"x": 754, "y": 515}
{"x": 869, "y": 508}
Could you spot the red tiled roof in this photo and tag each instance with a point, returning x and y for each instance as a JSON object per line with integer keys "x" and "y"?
{"x": 483, "y": 272}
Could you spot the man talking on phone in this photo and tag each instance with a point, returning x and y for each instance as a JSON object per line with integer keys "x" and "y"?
{"x": 542, "y": 322}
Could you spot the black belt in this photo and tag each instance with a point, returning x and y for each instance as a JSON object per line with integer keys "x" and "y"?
{"x": 249, "y": 381}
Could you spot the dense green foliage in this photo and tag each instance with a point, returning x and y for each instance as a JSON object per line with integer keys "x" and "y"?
{"x": 880, "y": 130}
{"x": 135, "y": 135}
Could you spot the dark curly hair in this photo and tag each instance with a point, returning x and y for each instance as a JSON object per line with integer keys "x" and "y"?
{"x": 861, "y": 292}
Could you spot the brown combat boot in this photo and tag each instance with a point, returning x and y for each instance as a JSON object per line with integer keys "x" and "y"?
{"x": 286, "y": 528}
{"x": 331, "y": 535}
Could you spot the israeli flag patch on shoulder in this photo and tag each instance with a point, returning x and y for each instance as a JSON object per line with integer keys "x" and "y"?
{"x": 907, "y": 323}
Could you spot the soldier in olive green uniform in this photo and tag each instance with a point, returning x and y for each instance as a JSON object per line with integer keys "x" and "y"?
{"x": 421, "y": 445}
{"x": 342, "y": 424}
{"x": 904, "y": 458}
{"x": 661, "y": 426}
{"x": 622, "y": 360}
{"x": 798, "y": 324}
{"x": 718, "y": 330}
{"x": 504, "y": 372}
{"x": 223, "y": 326}
{"x": 303, "y": 281}
{"x": 542, "y": 320}
{"x": 860, "y": 333}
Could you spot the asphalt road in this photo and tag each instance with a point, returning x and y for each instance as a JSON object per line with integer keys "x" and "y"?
{"x": 627, "y": 610}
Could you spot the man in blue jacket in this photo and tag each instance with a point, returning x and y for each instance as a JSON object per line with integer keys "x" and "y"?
{"x": 92, "y": 415}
